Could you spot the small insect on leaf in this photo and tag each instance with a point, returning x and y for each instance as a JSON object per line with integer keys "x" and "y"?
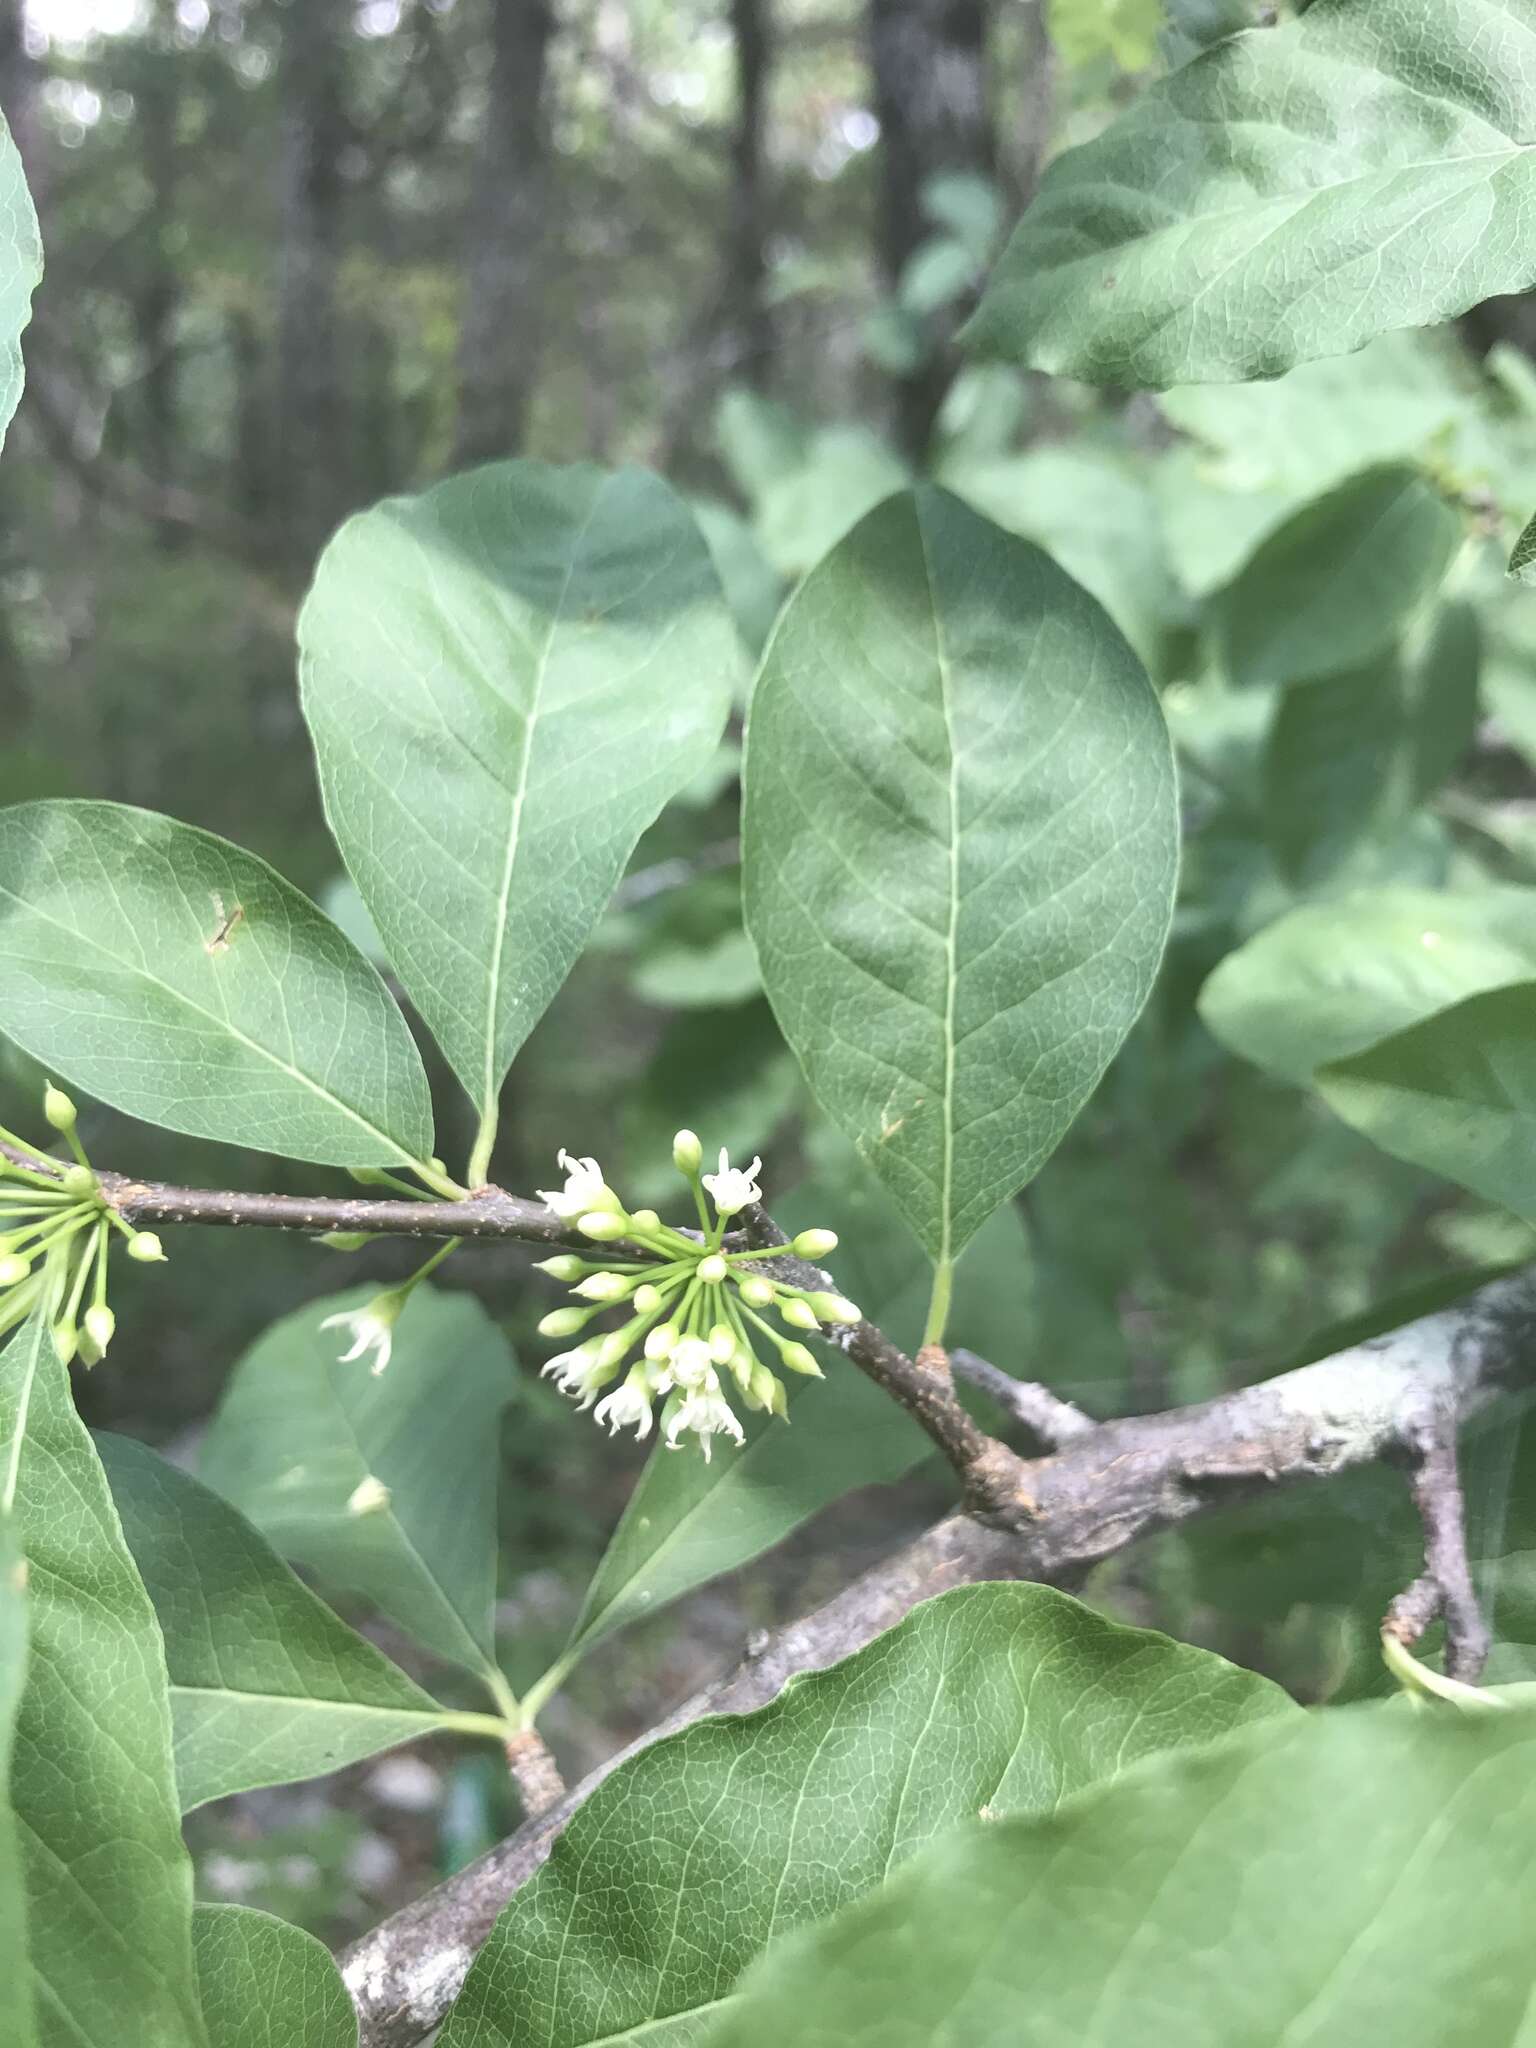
{"x": 224, "y": 930}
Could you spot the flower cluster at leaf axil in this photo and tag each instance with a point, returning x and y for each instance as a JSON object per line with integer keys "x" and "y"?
{"x": 693, "y": 1325}
{"x": 56, "y": 1233}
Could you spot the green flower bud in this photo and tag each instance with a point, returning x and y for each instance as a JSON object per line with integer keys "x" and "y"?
{"x": 645, "y": 1219}
{"x": 13, "y": 1270}
{"x": 612, "y": 1349}
{"x": 798, "y": 1359}
{"x": 814, "y": 1244}
{"x": 687, "y": 1152}
{"x": 756, "y": 1291}
{"x": 799, "y": 1315}
{"x": 603, "y": 1287}
{"x": 566, "y": 1268}
{"x": 722, "y": 1344}
{"x": 712, "y": 1269}
{"x": 603, "y": 1225}
{"x": 78, "y": 1181}
{"x": 662, "y": 1341}
{"x": 565, "y": 1322}
{"x": 767, "y": 1390}
{"x": 647, "y": 1298}
{"x": 58, "y": 1108}
{"x": 836, "y": 1308}
{"x": 145, "y": 1247}
{"x": 100, "y": 1326}
{"x": 346, "y": 1240}
{"x": 66, "y": 1342}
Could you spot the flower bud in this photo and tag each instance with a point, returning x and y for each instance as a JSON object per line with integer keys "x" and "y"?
{"x": 756, "y": 1291}
{"x": 565, "y": 1322}
{"x": 603, "y": 1287}
{"x": 767, "y": 1390}
{"x": 645, "y": 1219}
{"x": 662, "y": 1341}
{"x": 647, "y": 1298}
{"x": 603, "y": 1225}
{"x": 712, "y": 1269}
{"x": 799, "y": 1315}
{"x": 835, "y": 1308}
{"x": 687, "y": 1152}
{"x": 100, "y": 1326}
{"x": 145, "y": 1247}
{"x": 798, "y": 1359}
{"x": 722, "y": 1344}
{"x": 369, "y": 1497}
{"x": 814, "y": 1244}
{"x": 611, "y": 1350}
{"x": 86, "y": 1351}
{"x": 78, "y": 1181}
{"x": 13, "y": 1269}
{"x": 566, "y": 1268}
{"x": 66, "y": 1341}
{"x": 58, "y": 1108}
{"x": 346, "y": 1240}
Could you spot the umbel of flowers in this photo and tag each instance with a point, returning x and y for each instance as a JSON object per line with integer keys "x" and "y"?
{"x": 694, "y": 1314}
{"x": 56, "y": 1235}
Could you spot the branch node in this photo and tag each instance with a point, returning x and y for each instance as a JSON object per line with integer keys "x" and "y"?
{"x": 534, "y": 1772}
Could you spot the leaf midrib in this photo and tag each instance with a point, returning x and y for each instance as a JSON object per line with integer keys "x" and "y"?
{"x": 224, "y": 1024}
{"x": 951, "y": 943}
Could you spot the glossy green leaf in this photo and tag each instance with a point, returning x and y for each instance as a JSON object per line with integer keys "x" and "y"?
{"x": 16, "y": 2005}
{"x": 109, "y": 1885}
{"x": 298, "y": 1433}
{"x": 278, "y": 1035}
{"x": 506, "y": 678}
{"x": 1329, "y": 591}
{"x": 267, "y": 1684}
{"x": 21, "y": 268}
{"x": 697, "y": 1853}
{"x": 1331, "y": 769}
{"x": 1443, "y": 699}
{"x": 687, "y": 1522}
{"x": 1330, "y": 979}
{"x": 960, "y": 839}
{"x": 1455, "y": 1093}
{"x": 268, "y": 1985}
{"x": 1357, "y": 1875}
{"x": 1289, "y": 194}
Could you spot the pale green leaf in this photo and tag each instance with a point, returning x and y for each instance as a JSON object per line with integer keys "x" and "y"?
{"x": 268, "y": 1985}
{"x": 687, "y": 1522}
{"x": 1455, "y": 1093}
{"x": 1443, "y": 699}
{"x": 16, "y": 2007}
{"x": 506, "y": 678}
{"x": 1330, "y": 979}
{"x": 21, "y": 267}
{"x": 298, "y": 1432}
{"x": 1330, "y": 590}
{"x": 1362, "y": 1875}
{"x": 1289, "y": 194}
{"x": 697, "y": 1853}
{"x": 1522, "y": 560}
{"x": 267, "y": 1684}
{"x": 278, "y": 1035}
{"x": 109, "y": 1885}
{"x": 1330, "y": 769}
{"x": 960, "y": 839}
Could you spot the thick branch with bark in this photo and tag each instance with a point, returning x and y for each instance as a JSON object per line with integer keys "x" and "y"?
{"x": 1102, "y": 1490}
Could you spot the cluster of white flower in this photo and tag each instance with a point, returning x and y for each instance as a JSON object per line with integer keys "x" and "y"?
{"x": 56, "y": 1231}
{"x": 693, "y": 1309}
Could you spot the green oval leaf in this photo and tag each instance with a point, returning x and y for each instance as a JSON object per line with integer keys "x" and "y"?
{"x": 109, "y": 1885}
{"x": 1455, "y": 1093}
{"x": 1358, "y": 1875}
{"x": 506, "y": 678}
{"x": 960, "y": 840}
{"x": 298, "y": 1432}
{"x": 1330, "y": 979}
{"x": 21, "y": 270}
{"x": 1289, "y": 194}
{"x": 1334, "y": 769}
{"x": 1330, "y": 590}
{"x": 267, "y": 1684}
{"x": 694, "y": 1855}
{"x": 268, "y": 1985}
{"x": 117, "y": 972}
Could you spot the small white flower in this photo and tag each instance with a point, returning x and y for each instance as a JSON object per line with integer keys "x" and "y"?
{"x": 692, "y": 1365}
{"x": 734, "y": 1188}
{"x": 369, "y": 1497}
{"x": 578, "y": 1374}
{"x": 584, "y": 1190}
{"x": 626, "y": 1407}
{"x": 708, "y": 1415}
{"x": 372, "y": 1328}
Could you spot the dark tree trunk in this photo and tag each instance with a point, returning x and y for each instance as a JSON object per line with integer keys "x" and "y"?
{"x": 749, "y": 319}
{"x": 309, "y": 403}
{"x": 929, "y": 60}
{"x": 157, "y": 291}
{"x": 499, "y": 341}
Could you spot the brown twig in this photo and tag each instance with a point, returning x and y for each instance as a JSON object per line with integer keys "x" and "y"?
{"x": 1102, "y": 1491}
{"x": 1444, "y": 1589}
{"x": 1052, "y": 1421}
{"x": 534, "y": 1772}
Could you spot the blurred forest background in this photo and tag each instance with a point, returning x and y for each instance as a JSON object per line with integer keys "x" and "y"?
{"x": 303, "y": 253}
